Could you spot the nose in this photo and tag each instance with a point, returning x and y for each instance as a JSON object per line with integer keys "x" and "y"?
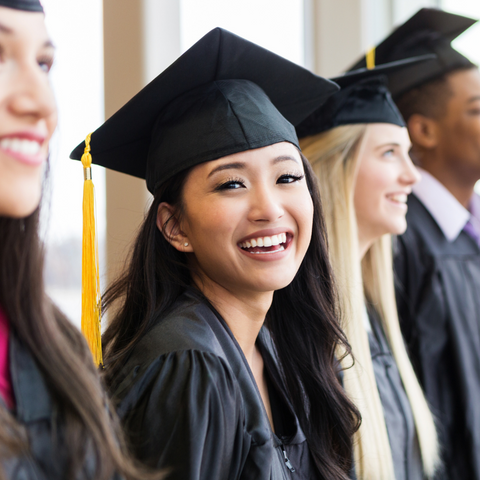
{"x": 265, "y": 205}
{"x": 410, "y": 174}
{"x": 32, "y": 94}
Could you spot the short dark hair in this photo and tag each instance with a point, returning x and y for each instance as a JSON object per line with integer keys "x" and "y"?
{"x": 429, "y": 99}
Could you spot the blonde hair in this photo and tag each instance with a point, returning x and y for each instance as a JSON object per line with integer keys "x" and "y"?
{"x": 333, "y": 155}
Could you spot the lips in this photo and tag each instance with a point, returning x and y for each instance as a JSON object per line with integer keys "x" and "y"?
{"x": 25, "y": 147}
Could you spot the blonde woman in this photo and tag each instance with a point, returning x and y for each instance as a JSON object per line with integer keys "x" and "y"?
{"x": 358, "y": 146}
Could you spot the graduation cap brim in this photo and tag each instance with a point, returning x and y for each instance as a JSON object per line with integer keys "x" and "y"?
{"x": 25, "y": 5}
{"x": 430, "y": 30}
{"x": 353, "y": 76}
{"x": 364, "y": 98}
{"x": 122, "y": 143}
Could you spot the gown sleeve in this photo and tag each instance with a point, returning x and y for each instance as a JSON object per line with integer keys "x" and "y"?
{"x": 410, "y": 271}
{"x": 184, "y": 414}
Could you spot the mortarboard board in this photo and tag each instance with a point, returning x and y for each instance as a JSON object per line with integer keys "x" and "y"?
{"x": 27, "y": 5}
{"x": 222, "y": 96}
{"x": 431, "y": 31}
{"x": 364, "y": 98}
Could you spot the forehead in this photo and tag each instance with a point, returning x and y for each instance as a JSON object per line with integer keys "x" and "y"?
{"x": 257, "y": 158}
{"x": 19, "y": 25}
{"x": 380, "y": 133}
{"x": 465, "y": 84}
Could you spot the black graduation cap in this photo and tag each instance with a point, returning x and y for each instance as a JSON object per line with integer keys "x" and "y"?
{"x": 28, "y": 5}
{"x": 364, "y": 98}
{"x": 430, "y": 30}
{"x": 224, "y": 95}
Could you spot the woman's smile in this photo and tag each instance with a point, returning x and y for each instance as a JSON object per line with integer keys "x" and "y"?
{"x": 265, "y": 246}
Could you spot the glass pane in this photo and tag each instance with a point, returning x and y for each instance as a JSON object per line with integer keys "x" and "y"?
{"x": 273, "y": 24}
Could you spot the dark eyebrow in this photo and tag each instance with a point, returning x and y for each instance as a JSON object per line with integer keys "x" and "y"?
{"x": 227, "y": 166}
{"x": 284, "y": 158}
{"x": 5, "y": 29}
{"x": 473, "y": 99}
{"x": 241, "y": 165}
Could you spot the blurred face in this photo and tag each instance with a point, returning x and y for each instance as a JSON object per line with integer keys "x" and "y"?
{"x": 248, "y": 218}
{"x": 459, "y": 127}
{"x": 385, "y": 175}
{"x": 27, "y": 109}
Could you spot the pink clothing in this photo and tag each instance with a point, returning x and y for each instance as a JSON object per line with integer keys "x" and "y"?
{"x": 6, "y": 390}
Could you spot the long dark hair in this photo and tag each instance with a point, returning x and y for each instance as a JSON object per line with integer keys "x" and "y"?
{"x": 303, "y": 321}
{"x": 63, "y": 359}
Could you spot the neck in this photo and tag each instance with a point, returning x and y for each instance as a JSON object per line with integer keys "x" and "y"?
{"x": 244, "y": 312}
{"x": 364, "y": 243}
{"x": 458, "y": 182}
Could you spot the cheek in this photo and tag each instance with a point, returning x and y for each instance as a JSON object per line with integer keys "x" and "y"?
{"x": 369, "y": 191}
{"x": 20, "y": 189}
{"x": 208, "y": 222}
{"x": 302, "y": 212}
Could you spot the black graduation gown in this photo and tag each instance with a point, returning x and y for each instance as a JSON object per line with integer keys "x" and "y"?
{"x": 37, "y": 412}
{"x": 398, "y": 414}
{"x": 189, "y": 403}
{"x": 438, "y": 296}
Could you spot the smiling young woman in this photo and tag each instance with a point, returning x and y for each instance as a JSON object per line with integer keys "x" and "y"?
{"x": 226, "y": 330}
{"x": 360, "y": 157}
{"x": 53, "y": 420}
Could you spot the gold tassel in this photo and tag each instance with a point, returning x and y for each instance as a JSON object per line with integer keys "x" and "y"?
{"x": 370, "y": 58}
{"x": 91, "y": 299}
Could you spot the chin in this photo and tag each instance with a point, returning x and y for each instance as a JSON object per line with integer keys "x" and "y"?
{"x": 273, "y": 283}
{"x": 19, "y": 208}
{"x": 397, "y": 228}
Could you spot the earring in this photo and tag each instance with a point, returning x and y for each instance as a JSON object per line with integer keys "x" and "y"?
{"x": 185, "y": 244}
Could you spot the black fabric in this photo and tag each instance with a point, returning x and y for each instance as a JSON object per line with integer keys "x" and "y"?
{"x": 364, "y": 98}
{"x": 189, "y": 403}
{"x": 429, "y": 31}
{"x": 36, "y": 411}
{"x": 402, "y": 435}
{"x": 27, "y": 5}
{"x": 222, "y": 96}
{"x": 438, "y": 284}
{"x": 367, "y": 101}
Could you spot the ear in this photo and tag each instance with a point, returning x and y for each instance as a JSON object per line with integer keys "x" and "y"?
{"x": 424, "y": 131}
{"x": 168, "y": 224}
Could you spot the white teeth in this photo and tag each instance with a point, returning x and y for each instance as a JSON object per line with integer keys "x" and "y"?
{"x": 265, "y": 241}
{"x": 401, "y": 198}
{"x": 20, "y": 145}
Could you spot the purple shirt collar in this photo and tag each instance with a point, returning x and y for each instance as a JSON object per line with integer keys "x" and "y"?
{"x": 450, "y": 215}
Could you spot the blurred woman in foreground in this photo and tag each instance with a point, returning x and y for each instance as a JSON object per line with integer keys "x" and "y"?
{"x": 53, "y": 419}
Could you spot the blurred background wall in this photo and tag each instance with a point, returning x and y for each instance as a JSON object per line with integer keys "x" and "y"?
{"x": 107, "y": 51}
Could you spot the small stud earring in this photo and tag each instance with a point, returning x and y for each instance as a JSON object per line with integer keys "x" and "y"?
{"x": 185, "y": 244}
